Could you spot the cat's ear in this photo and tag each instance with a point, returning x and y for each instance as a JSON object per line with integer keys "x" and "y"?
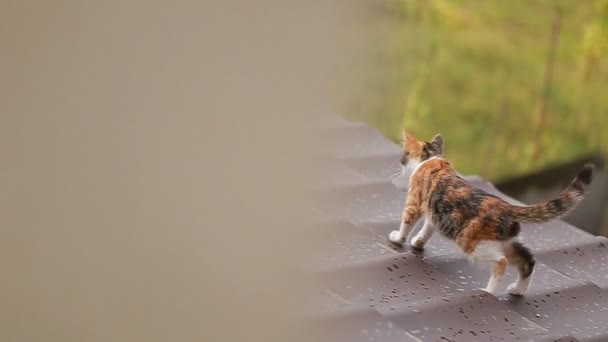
{"x": 437, "y": 143}
{"x": 406, "y": 136}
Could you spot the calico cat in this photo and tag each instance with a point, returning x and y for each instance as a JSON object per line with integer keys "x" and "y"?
{"x": 484, "y": 226}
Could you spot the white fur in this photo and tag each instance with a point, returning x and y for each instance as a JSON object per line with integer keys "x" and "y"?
{"x": 401, "y": 235}
{"x": 494, "y": 284}
{"x": 489, "y": 254}
{"x": 413, "y": 165}
{"x": 409, "y": 168}
{"x": 398, "y": 236}
{"x": 519, "y": 287}
{"x": 424, "y": 235}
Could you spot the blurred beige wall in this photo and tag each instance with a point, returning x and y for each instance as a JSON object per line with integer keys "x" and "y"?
{"x": 153, "y": 160}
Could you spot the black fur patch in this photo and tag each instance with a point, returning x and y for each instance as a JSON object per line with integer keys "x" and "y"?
{"x": 443, "y": 207}
{"x": 427, "y": 150}
{"x": 559, "y": 205}
{"x": 586, "y": 174}
{"x": 515, "y": 229}
{"x": 527, "y": 258}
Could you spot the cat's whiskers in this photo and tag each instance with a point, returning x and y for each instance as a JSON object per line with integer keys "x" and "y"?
{"x": 396, "y": 175}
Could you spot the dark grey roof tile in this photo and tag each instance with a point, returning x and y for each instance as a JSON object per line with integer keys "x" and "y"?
{"x": 343, "y": 244}
{"x": 578, "y": 310}
{"x": 552, "y": 236}
{"x": 357, "y": 141}
{"x": 335, "y": 173}
{"x": 358, "y": 323}
{"x": 388, "y": 281}
{"x": 385, "y": 166}
{"x": 468, "y": 275}
{"x": 375, "y": 201}
{"x": 472, "y": 315}
{"x": 556, "y": 338}
{"x": 587, "y": 260}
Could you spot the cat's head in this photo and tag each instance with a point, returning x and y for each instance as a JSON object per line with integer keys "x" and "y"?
{"x": 416, "y": 151}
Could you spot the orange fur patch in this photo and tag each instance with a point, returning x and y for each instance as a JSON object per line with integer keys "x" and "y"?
{"x": 501, "y": 267}
{"x": 474, "y": 233}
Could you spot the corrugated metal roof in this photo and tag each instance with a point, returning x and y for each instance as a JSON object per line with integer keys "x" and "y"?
{"x": 375, "y": 291}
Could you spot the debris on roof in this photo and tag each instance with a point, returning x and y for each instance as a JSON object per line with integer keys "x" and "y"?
{"x": 376, "y": 291}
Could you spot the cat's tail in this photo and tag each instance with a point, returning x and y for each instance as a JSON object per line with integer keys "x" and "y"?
{"x": 559, "y": 206}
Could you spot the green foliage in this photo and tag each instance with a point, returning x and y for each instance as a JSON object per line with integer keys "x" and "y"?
{"x": 595, "y": 40}
{"x": 474, "y": 71}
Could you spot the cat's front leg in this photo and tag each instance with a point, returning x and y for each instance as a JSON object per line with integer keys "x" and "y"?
{"x": 398, "y": 236}
{"x": 424, "y": 235}
{"x": 410, "y": 218}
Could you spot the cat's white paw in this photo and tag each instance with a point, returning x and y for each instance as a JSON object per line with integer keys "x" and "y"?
{"x": 396, "y": 237}
{"x": 418, "y": 243}
{"x": 515, "y": 290}
{"x": 490, "y": 291}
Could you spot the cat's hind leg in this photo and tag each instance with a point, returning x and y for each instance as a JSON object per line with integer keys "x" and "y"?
{"x": 491, "y": 253}
{"x": 520, "y": 256}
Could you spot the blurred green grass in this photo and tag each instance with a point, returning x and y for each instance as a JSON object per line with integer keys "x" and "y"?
{"x": 473, "y": 71}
